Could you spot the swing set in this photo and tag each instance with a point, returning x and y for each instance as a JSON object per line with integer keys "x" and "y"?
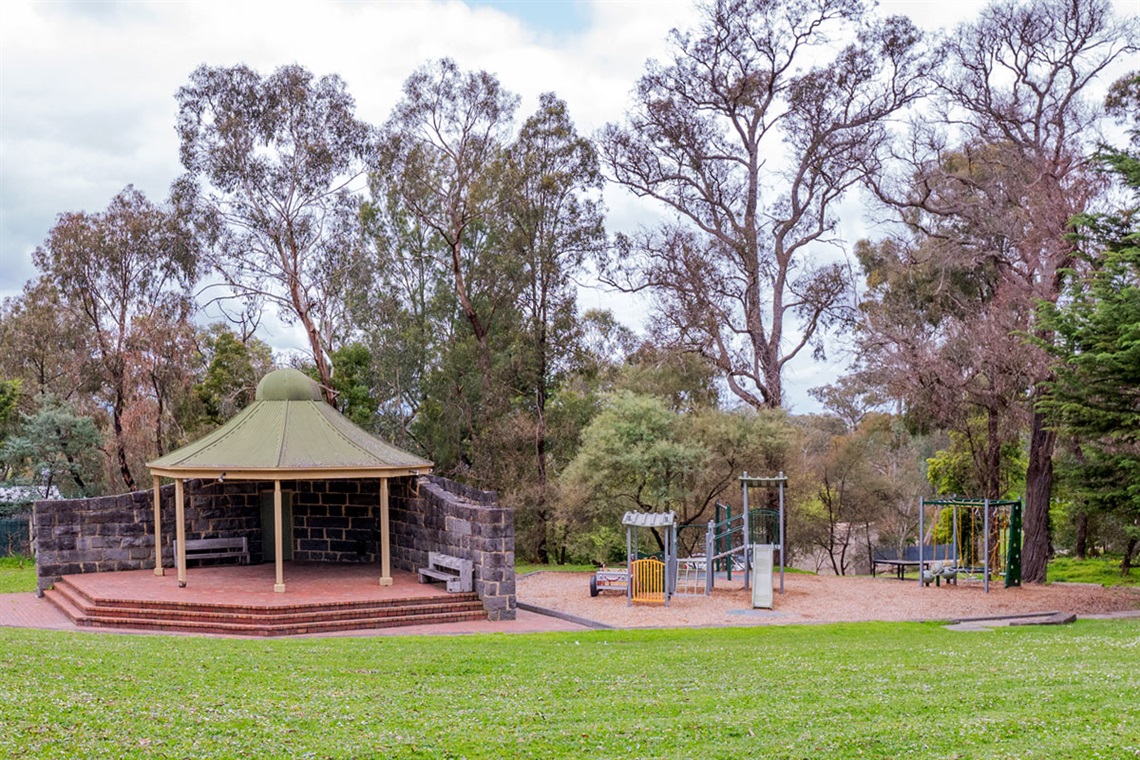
{"x": 975, "y": 538}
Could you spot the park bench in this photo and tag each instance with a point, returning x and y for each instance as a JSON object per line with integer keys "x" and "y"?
{"x": 216, "y": 548}
{"x": 455, "y": 572}
{"x": 890, "y": 556}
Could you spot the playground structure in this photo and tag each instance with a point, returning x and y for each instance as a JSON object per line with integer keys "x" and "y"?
{"x": 745, "y": 543}
{"x": 974, "y": 536}
{"x": 649, "y": 578}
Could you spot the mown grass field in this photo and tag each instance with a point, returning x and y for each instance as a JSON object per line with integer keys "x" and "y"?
{"x": 17, "y": 574}
{"x": 1104, "y": 571}
{"x": 868, "y": 690}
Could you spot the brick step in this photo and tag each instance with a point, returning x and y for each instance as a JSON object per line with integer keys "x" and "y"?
{"x": 65, "y": 603}
{"x": 82, "y": 599}
{"x": 258, "y": 628}
{"x": 270, "y": 617}
{"x": 247, "y": 620}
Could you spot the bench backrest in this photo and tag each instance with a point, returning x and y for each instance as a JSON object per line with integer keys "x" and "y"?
{"x": 210, "y": 544}
{"x": 931, "y": 553}
{"x": 435, "y": 559}
{"x": 910, "y": 553}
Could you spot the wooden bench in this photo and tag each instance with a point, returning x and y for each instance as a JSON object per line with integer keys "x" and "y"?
{"x": 216, "y": 548}
{"x": 455, "y": 572}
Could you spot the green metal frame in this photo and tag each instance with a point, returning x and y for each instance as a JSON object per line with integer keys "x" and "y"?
{"x": 1013, "y": 537}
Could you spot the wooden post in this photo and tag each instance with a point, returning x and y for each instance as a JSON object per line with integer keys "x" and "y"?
{"x": 279, "y": 549}
{"x": 385, "y": 539}
{"x": 180, "y": 531}
{"x": 158, "y": 528}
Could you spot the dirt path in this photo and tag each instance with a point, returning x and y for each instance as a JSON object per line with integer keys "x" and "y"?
{"x": 822, "y": 599}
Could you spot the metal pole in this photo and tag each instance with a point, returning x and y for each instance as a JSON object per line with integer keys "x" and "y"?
{"x": 921, "y": 534}
{"x": 385, "y": 536}
{"x": 629, "y": 566}
{"x": 710, "y": 550}
{"x": 747, "y": 538}
{"x": 986, "y": 543}
{"x": 957, "y": 559}
{"x": 781, "y": 531}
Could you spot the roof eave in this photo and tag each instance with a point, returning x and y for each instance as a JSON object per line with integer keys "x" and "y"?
{"x": 288, "y": 473}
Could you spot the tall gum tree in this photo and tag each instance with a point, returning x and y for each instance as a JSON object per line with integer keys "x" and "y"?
{"x": 271, "y": 163}
{"x": 440, "y": 160}
{"x": 749, "y": 142}
{"x": 129, "y": 266}
{"x": 1015, "y": 81}
{"x": 555, "y": 220}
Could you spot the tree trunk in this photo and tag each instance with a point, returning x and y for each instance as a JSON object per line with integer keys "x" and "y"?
{"x": 120, "y": 444}
{"x": 160, "y": 399}
{"x": 1038, "y": 490}
{"x": 1129, "y": 550}
{"x": 1081, "y": 548}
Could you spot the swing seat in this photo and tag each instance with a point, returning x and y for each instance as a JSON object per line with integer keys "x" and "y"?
{"x": 949, "y": 572}
{"x": 938, "y": 571}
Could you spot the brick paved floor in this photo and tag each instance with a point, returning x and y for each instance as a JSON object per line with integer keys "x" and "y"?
{"x": 253, "y": 585}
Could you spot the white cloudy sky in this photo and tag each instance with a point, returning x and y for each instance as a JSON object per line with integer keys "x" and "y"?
{"x": 87, "y": 88}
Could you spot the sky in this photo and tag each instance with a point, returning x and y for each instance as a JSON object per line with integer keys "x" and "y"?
{"x": 87, "y": 91}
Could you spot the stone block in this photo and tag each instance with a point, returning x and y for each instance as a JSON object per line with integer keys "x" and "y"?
{"x": 492, "y": 602}
{"x": 458, "y": 527}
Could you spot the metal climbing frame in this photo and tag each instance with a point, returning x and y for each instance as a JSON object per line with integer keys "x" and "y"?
{"x": 1002, "y": 516}
{"x": 735, "y": 535}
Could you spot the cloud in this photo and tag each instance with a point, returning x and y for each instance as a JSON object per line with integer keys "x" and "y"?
{"x": 87, "y": 88}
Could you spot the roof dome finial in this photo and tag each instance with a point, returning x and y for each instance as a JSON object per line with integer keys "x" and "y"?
{"x": 288, "y": 385}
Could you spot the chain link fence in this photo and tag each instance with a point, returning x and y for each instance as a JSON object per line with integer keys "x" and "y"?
{"x": 15, "y": 536}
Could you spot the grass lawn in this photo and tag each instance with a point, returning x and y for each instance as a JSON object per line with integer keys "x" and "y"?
{"x": 17, "y": 574}
{"x": 867, "y": 690}
{"x": 1102, "y": 570}
{"x": 522, "y": 568}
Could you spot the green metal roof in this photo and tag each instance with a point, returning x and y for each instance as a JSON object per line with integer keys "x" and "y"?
{"x": 289, "y": 428}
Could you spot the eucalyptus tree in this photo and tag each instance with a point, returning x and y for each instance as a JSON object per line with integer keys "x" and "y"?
{"x": 115, "y": 271}
{"x": 42, "y": 343}
{"x": 271, "y": 163}
{"x": 441, "y": 162}
{"x": 400, "y": 312}
{"x": 555, "y": 221}
{"x": 748, "y": 137}
{"x": 942, "y": 323}
{"x": 1013, "y": 103}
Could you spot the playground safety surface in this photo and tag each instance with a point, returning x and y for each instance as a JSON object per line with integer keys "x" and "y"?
{"x": 808, "y": 599}
{"x": 823, "y": 599}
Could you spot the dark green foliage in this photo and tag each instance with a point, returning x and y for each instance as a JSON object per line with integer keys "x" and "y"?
{"x": 9, "y": 398}
{"x": 354, "y": 383}
{"x": 639, "y": 455}
{"x": 1095, "y": 396}
{"x": 233, "y": 370}
{"x": 54, "y": 446}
